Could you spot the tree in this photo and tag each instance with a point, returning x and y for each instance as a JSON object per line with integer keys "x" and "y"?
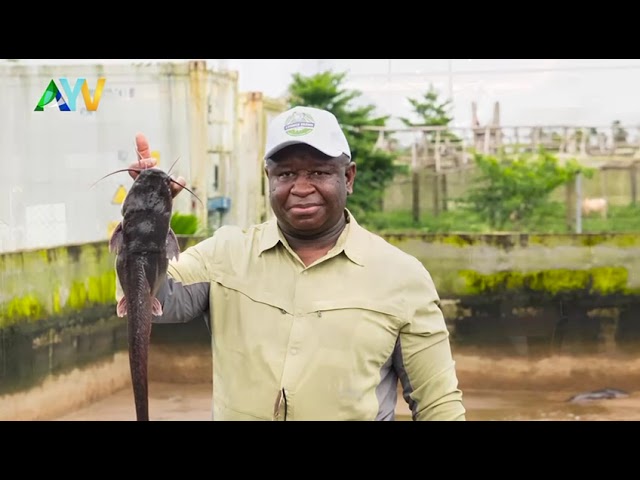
{"x": 513, "y": 187}
{"x": 431, "y": 112}
{"x": 375, "y": 168}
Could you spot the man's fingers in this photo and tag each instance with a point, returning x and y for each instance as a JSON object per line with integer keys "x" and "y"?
{"x": 142, "y": 146}
{"x": 145, "y": 160}
{"x": 143, "y": 155}
{"x": 141, "y": 165}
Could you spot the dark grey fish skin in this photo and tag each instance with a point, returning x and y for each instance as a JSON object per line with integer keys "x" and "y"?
{"x": 604, "y": 394}
{"x": 144, "y": 244}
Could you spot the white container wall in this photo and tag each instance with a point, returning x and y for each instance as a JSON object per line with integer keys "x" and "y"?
{"x": 50, "y": 158}
{"x": 250, "y": 191}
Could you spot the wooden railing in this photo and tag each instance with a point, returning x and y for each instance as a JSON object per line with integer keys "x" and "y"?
{"x": 438, "y": 151}
{"x": 426, "y": 146}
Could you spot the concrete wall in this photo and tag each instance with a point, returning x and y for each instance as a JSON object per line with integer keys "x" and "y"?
{"x": 50, "y": 283}
{"x": 536, "y": 294}
{"x": 61, "y": 342}
{"x": 496, "y": 263}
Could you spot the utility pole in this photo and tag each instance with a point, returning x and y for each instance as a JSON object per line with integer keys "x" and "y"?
{"x": 389, "y": 89}
{"x": 450, "y": 70}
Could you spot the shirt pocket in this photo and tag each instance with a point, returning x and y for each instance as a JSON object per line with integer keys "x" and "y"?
{"x": 366, "y": 328}
{"x": 247, "y": 294}
{"x": 245, "y": 312}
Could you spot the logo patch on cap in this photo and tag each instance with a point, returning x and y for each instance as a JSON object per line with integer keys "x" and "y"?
{"x": 299, "y": 124}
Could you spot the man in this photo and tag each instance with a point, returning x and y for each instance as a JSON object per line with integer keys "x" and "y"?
{"x": 312, "y": 316}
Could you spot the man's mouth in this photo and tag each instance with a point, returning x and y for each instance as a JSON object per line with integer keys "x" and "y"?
{"x": 305, "y": 208}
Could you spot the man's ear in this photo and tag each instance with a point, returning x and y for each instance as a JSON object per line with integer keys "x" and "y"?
{"x": 350, "y": 173}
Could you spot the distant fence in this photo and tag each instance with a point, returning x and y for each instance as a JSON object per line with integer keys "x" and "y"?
{"x": 441, "y": 166}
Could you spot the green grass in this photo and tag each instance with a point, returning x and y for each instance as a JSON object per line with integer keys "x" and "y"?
{"x": 550, "y": 218}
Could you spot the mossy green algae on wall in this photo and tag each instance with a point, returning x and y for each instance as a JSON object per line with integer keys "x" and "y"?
{"x": 598, "y": 280}
{"x": 42, "y": 283}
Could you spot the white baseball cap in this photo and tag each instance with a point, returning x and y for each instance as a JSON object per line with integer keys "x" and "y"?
{"x": 312, "y": 126}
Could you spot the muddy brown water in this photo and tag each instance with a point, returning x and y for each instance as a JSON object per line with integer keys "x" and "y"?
{"x": 179, "y": 402}
{"x": 495, "y": 388}
{"x": 85, "y": 376}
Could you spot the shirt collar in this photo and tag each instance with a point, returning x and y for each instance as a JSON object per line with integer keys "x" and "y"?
{"x": 350, "y": 241}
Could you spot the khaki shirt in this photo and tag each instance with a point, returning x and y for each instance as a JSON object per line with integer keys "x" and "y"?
{"x": 324, "y": 342}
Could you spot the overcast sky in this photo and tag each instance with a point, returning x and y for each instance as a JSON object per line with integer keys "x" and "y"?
{"x": 530, "y": 91}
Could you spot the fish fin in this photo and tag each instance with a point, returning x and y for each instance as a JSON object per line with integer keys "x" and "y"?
{"x": 121, "y": 309}
{"x": 115, "y": 242}
{"x": 173, "y": 247}
{"x": 156, "y": 307}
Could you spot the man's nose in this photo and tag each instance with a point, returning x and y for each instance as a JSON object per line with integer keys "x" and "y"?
{"x": 302, "y": 186}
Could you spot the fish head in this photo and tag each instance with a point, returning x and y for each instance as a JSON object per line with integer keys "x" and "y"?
{"x": 154, "y": 177}
{"x": 150, "y": 196}
{"x": 154, "y": 181}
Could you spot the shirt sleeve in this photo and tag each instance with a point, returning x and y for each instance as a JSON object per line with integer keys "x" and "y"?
{"x": 423, "y": 359}
{"x": 185, "y": 293}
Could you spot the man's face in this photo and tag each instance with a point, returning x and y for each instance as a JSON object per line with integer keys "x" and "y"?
{"x": 308, "y": 190}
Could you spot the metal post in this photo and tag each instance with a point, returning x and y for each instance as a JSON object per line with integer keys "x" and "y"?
{"x": 415, "y": 180}
{"x": 579, "y": 203}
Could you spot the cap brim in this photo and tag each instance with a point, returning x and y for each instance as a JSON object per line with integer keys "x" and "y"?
{"x": 326, "y": 151}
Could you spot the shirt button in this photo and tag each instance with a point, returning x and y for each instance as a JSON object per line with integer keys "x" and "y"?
{"x": 305, "y": 272}
{"x": 294, "y": 351}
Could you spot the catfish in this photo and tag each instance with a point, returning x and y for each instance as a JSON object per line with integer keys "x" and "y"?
{"x": 144, "y": 244}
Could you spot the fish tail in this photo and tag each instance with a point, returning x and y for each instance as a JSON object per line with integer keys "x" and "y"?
{"x": 139, "y": 312}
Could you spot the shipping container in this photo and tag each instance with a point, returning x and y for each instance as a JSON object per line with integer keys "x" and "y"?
{"x": 51, "y": 158}
{"x": 250, "y": 190}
